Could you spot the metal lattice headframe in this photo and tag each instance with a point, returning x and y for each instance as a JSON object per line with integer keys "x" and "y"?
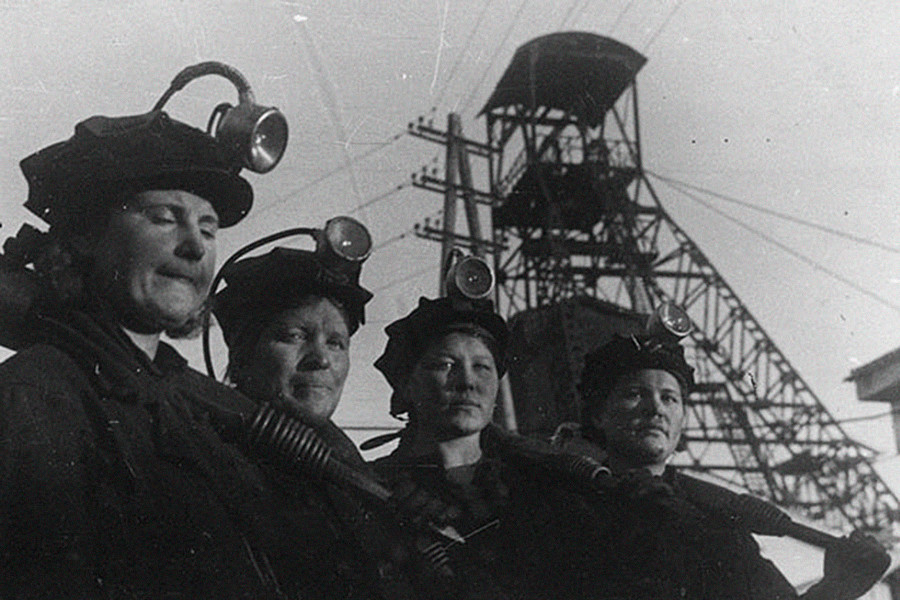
{"x": 754, "y": 421}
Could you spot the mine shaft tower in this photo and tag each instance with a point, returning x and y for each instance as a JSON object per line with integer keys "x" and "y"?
{"x": 573, "y": 216}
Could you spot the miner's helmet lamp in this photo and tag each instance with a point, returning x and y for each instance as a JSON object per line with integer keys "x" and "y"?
{"x": 275, "y": 280}
{"x": 344, "y": 238}
{"x": 465, "y": 307}
{"x": 468, "y": 277}
{"x": 669, "y": 322}
{"x": 256, "y": 136}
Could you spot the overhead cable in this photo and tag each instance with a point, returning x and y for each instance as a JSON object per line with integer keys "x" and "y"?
{"x": 569, "y": 13}
{"x": 499, "y": 48}
{"x": 340, "y": 169}
{"x": 380, "y": 197}
{"x": 412, "y": 275}
{"x": 824, "y": 228}
{"x": 402, "y": 234}
{"x": 663, "y": 26}
{"x": 462, "y": 53}
{"x": 619, "y": 18}
{"x": 801, "y": 257}
{"x": 579, "y": 12}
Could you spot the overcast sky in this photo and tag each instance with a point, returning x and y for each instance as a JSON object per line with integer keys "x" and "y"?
{"x": 790, "y": 106}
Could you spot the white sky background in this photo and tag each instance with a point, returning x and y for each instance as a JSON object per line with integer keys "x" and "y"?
{"x": 791, "y": 106}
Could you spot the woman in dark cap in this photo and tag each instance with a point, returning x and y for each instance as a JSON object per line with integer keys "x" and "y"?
{"x": 123, "y": 471}
{"x": 664, "y": 537}
{"x": 287, "y": 318}
{"x": 526, "y": 535}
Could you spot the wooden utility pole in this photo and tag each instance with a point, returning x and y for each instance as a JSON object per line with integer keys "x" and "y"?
{"x": 457, "y": 182}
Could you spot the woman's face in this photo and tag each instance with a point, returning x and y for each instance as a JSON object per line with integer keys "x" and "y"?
{"x": 302, "y": 358}
{"x": 453, "y": 387}
{"x": 642, "y": 419}
{"x": 156, "y": 257}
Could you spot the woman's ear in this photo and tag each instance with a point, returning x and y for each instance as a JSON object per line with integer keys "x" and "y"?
{"x": 592, "y": 427}
{"x": 406, "y": 397}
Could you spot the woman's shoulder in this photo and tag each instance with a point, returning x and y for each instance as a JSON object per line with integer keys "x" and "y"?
{"x": 42, "y": 367}
{"x": 41, "y": 407}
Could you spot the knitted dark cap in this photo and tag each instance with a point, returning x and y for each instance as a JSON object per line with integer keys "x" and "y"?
{"x": 279, "y": 280}
{"x": 622, "y": 355}
{"x": 409, "y": 337}
{"x": 151, "y": 151}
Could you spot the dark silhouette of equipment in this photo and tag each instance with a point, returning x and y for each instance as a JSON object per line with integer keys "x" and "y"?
{"x": 296, "y": 446}
{"x": 583, "y": 248}
{"x": 754, "y": 513}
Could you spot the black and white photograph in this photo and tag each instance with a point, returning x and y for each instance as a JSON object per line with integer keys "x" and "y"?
{"x": 450, "y": 299}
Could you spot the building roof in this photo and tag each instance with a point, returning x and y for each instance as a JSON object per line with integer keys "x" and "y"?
{"x": 878, "y": 380}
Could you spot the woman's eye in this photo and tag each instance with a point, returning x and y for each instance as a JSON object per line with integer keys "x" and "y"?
{"x": 208, "y": 233}
{"x": 338, "y": 343}
{"x": 630, "y": 397}
{"x": 291, "y": 336}
{"x": 484, "y": 367}
{"x": 160, "y": 214}
{"x": 672, "y": 398}
{"x": 440, "y": 365}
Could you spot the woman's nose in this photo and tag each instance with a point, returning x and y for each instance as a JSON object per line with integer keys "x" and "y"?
{"x": 315, "y": 357}
{"x": 652, "y": 403}
{"x": 464, "y": 376}
{"x": 191, "y": 245}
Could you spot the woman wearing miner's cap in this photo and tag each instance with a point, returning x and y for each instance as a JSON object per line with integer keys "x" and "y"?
{"x": 114, "y": 481}
{"x": 663, "y": 539}
{"x": 287, "y": 318}
{"x": 527, "y": 535}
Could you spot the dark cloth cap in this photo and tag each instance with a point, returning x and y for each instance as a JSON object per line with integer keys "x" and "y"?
{"x": 279, "y": 280}
{"x": 622, "y": 355}
{"x": 409, "y": 337}
{"x": 151, "y": 151}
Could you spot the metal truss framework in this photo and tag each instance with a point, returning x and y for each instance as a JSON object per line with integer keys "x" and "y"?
{"x": 574, "y": 215}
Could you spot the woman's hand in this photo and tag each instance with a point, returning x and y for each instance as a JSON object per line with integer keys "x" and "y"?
{"x": 853, "y": 565}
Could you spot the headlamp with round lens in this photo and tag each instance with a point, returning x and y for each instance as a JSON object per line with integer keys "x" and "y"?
{"x": 346, "y": 238}
{"x": 472, "y": 277}
{"x": 256, "y": 136}
{"x": 670, "y": 320}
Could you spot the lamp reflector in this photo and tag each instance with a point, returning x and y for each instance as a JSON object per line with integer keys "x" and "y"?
{"x": 669, "y": 319}
{"x": 473, "y": 277}
{"x": 348, "y": 238}
{"x": 257, "y": 134}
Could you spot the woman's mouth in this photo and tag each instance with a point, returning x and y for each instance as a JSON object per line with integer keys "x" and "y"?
{"x": 649, "y": 429}
{"x": 178, "y": 276}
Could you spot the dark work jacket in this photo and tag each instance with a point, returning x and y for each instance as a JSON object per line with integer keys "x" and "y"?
{"x": 116, "y": 482}
{"x": 527, "y": 536}
{"x": 661, "y": 544}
